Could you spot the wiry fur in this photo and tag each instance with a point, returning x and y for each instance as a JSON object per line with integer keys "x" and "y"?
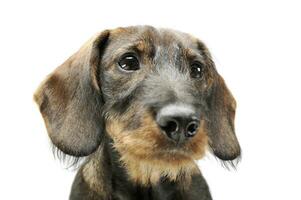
{"x": 103, "y": 119}
{"x": 146, "y": 165}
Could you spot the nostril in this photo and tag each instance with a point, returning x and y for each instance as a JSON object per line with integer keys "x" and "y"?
{"x": 191, "y": 129}
{"x": 170, "y": 126}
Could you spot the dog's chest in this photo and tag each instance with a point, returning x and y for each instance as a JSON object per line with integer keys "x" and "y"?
{"x": 159, "y": 192}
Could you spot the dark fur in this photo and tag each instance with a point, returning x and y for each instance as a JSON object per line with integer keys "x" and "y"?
{"x": 92, "y": 108}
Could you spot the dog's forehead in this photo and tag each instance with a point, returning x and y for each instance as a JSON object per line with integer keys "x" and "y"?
{"x": 166, "y": 38}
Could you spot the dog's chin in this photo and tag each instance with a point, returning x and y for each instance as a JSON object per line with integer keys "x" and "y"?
{"x": 150, "y": 168}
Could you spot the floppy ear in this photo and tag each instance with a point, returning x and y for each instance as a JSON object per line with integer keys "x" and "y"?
{"x": 70, "y": 100}
{"x": 220, "y": 125}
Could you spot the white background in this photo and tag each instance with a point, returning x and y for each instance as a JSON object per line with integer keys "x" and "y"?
{"x": 256, "y": 46}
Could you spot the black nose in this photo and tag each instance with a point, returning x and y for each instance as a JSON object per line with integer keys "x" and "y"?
{"x": 178, "y": 126}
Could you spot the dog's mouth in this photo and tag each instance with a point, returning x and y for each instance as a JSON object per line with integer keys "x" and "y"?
{"x": 176, "y": 151}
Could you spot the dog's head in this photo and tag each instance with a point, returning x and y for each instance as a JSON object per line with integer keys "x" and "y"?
{"x": 155, "y": 92}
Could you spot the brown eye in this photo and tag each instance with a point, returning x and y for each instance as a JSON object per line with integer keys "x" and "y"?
{"x": 197, "y": 70}
{"x": 129, "y": 62}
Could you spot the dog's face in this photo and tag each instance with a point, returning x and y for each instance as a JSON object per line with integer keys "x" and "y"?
{"x": 154, "y": 92}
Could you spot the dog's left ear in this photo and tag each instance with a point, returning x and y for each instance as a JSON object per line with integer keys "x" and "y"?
{"x": 220, "y": 124}
{"x": 70, "y": 100}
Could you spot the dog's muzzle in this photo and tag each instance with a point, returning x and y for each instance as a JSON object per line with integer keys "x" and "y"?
{"x": 178, "y": 121}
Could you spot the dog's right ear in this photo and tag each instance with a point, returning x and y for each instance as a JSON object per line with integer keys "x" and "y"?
{"x": 70, "y": 100}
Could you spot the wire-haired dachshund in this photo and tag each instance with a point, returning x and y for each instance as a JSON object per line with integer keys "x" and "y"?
{"x": 141, "y": 105}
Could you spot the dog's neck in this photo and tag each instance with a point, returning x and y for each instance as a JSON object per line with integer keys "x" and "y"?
{"x": 105, "y": 174}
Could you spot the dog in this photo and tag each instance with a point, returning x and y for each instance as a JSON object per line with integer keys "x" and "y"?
{"x": 141, "y": 104}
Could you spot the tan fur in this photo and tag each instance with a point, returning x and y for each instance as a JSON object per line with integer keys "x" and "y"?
{"x": 148, "y": 155}
{"x": 94, "y": 175}
{"x": 91, "y": 175}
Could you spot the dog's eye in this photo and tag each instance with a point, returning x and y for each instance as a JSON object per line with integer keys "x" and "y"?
{"x": 196, "y": 70}
{"x": 129, "y": 63}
